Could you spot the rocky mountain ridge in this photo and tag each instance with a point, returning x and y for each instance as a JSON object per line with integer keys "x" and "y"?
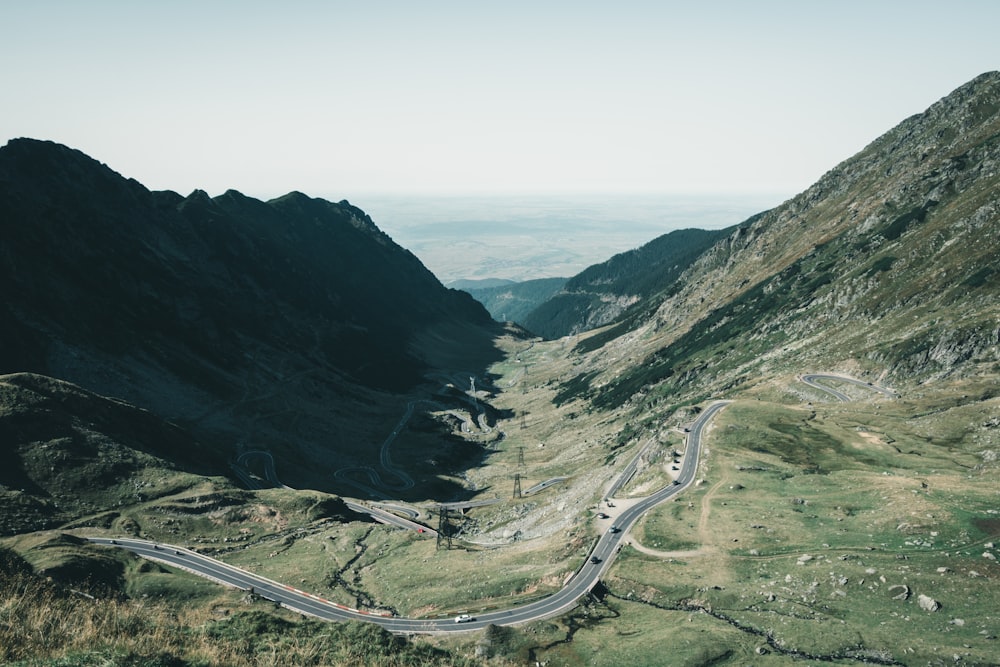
{"x": 273, "y": 322}
{"x": 888, "y": 266}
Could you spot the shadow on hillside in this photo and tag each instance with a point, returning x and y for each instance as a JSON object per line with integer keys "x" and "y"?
{"x": 332, "y": 437}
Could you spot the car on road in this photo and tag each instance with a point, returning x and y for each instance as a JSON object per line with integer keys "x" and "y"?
{"x": 464, "y": 618}
{"x": 594, "y": 560}
{"x": 614, "y": 529}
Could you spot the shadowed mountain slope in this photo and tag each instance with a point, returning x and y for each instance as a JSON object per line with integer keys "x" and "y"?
{"x": 236, "y": 317}
{"x": 68, "y": 452}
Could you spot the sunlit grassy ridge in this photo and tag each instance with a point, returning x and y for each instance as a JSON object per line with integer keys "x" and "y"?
{"x": 42, "y": 624}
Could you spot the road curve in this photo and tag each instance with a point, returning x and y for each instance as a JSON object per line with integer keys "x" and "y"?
{"x": 582, "y": 581}
{"x": 390, "y": 519}
{"x": 813, "y": 380}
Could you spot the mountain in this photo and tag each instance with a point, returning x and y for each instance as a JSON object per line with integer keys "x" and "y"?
{"x": 512, "y": 301}
{"x": 482, "y": 283}
{"x": 888, "y": 267}
{"x": 602, "y": 293}
{"x": 266, "y": 322}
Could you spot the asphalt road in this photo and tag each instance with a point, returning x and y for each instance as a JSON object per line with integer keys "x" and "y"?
{"x": 559, "y": 602}
{"x": 270, "y": 474}
{"x": 390, "y": 519}
{"x": 813, "y": 381}
{"x": 541, "y": 486}
{"x": 628, "y": 472}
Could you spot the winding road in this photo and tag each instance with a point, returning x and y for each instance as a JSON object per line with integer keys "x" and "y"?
{"x": 580, "y": 583}
{"x": 813, "y": 380}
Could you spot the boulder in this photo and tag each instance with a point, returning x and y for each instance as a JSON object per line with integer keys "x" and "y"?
{"x": 928, "y": 603}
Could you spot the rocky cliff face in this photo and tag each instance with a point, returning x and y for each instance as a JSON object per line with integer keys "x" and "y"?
{"x": 889, "y": 266}
{"x": 245, "y": 320}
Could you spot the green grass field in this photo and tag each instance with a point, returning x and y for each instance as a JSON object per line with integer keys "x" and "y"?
{"x": 810, "y": 536}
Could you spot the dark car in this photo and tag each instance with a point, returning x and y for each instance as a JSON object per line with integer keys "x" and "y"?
{"x": 594, "y": 560}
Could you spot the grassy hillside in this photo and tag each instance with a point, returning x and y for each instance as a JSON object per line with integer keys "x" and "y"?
{"x": 45, "y": 624}
{"x": 619, "y": 288}
{"x": 886, "y": 267}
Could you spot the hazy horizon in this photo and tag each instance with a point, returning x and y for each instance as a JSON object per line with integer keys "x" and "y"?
{"x": 528, "y": 236}
{"x": 350, "y": 100}
{"x": 361, "y": 98}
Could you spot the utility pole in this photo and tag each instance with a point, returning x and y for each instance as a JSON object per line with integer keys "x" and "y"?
{"x": 520, "y": 457}
{"x": 444, "y": 530}
{"x": 517, "y": 485}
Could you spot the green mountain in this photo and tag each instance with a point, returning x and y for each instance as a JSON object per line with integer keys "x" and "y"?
{"x": 607, "y": 292}
{"x": 889, "y": 267}
{"x": 513, "y": 301}
{"x": 68, "y": 451}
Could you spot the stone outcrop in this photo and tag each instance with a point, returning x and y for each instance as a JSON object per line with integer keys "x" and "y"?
{"x": 928, "y": 603}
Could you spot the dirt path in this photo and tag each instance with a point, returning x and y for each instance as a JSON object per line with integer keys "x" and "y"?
{"x": 703, "y": 533}
{"x": 706, "y": 509}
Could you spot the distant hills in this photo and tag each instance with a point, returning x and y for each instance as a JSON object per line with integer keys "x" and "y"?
{"x": 510, "y": 301}
{"x": 600, "y": 294}
{"x": 481, "y": 283}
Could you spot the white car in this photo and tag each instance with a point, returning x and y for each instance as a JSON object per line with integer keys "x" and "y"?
{"x": 463, "y": 618}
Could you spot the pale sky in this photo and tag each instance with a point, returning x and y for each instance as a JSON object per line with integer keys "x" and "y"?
{"x": 342, "y": 99}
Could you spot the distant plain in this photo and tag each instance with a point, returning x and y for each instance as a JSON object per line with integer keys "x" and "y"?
{"x": 523, "y": 237}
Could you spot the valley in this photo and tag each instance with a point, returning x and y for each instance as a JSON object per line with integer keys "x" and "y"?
{"x": 614, "y": 527}
{"x": 793, "y": 424}
{"x": 743, "y": 552}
